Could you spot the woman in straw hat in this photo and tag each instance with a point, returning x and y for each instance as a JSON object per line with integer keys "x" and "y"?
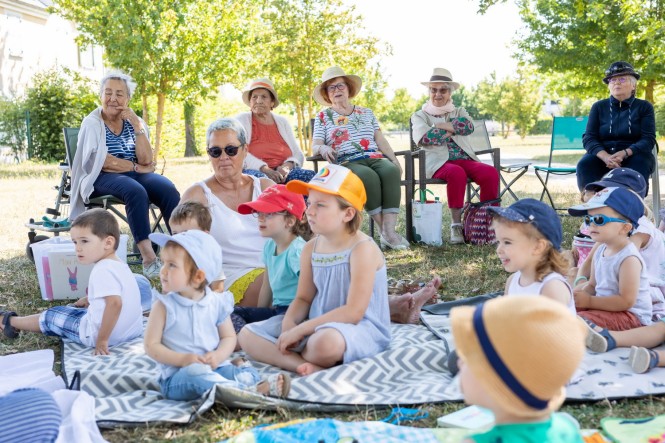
{"x": 349, "y": 135}
{"x": 442, "y": 130}
{"x": 515, "y": 358}
{"x": 621, "y": 131}
{"x": 273, "y": 150}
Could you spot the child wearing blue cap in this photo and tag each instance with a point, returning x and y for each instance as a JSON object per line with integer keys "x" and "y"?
{"x": 617, "y": 295}
{"x": 528, "y": 235}
{"x": 189, "y": 331}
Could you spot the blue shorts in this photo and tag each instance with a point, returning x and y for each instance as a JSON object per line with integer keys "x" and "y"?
{"x": 62, "y": 321}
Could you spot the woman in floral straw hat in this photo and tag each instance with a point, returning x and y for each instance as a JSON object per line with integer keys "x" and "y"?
{"x": 350, "y": 135}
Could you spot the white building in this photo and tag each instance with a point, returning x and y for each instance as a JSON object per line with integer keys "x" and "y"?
{"x": 32, "y": 40}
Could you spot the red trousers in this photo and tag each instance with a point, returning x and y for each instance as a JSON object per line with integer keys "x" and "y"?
{"x": 456, "y": 172}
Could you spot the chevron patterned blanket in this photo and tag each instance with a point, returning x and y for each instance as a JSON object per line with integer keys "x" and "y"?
{"x": 412, "y": 371}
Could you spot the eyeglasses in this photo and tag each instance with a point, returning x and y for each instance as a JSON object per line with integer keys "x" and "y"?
{"x": 339, "y": 86}
{"x": 216, "y": 151}
{"x": 267, "y": 215}
{"x": 620, "y": 80}
{"x": 440, "y": 91}
{"x": 601, "y": 220}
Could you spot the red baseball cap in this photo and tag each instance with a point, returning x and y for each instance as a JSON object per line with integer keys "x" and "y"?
{"x": 275, "y": 199}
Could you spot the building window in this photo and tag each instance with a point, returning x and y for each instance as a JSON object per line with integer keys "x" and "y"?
{"x": 14, "y": 35}
{"x": 87, "y": 57}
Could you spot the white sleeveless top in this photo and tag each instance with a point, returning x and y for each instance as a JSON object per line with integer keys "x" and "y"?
{"x": 536, "y": 287}
{"x": 237, "y": 234}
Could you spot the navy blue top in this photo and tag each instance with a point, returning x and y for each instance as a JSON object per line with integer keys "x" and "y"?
{"x": 122, "y": 146}
{"x": 614, "y": 126}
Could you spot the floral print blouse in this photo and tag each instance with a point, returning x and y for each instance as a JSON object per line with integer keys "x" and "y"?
{"x": 439, "y": 137}
{"x": 351, "y": 136}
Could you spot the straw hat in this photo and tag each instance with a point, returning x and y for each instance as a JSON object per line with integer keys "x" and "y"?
{"x": 523, "y": 351}
{"x": 333, "y": 72}
{"x": 334, "y": 180}
{"x": 260, "y": 83}
{"x": 441, "y": 75}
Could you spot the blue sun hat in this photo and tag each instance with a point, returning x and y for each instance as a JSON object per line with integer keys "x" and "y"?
{"x": 621, "y": 178}
{"x": 621, "y": 200}
{"x": 537, "y": 213}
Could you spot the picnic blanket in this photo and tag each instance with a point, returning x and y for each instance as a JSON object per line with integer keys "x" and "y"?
{"x": 412, "y": 371}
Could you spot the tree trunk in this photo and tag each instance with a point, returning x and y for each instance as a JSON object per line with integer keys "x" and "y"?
{"x": 144, "y": 103}
{"x": 190, "y": 134}
{"x": 161, "y": 98}
{"x": 648, "y": 96}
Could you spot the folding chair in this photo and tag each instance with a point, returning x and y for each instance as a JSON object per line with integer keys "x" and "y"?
{"x": 407, "y": 182}
{"x": 107, "y": 202}
{"x": 655, "y": 187}
{"x": 567, "y": 135}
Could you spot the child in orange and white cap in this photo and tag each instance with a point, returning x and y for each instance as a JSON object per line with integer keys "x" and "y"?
{"x": 340, "y": 313}
{"x": 515, "y": 359}
{"x": 280, "y": 214}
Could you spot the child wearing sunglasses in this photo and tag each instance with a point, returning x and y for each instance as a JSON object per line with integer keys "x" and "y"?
{"x": 280, "y": 214}
{"x": 617, "y": 295}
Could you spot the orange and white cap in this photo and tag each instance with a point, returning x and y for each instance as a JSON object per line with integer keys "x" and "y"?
{"x": 334, "y": 180}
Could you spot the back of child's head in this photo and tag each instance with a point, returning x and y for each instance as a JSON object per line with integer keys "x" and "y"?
{"x": 623, "y": 201}
{"x": 624, "y": 178}
{"x": 537, "y": 221}
{"x": 201, "y": 252}
{"x": 523, "y": 354}
{"x": 342, "y": 183}
{"x": 192, "y": 210}
{"x": 101, "y": 223}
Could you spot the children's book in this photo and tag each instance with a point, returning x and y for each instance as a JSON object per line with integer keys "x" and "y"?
{"x": 471, "y": 417}
{"x": 69, "y": 278}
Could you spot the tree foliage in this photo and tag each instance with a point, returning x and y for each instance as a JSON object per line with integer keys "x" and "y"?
{"x": 299, "y": 39}
{"x": 579, "y": 38}
{"x": 56, "y": 99}
{"x": 13, "y": 126}
{"x": 521, "y": 102}
{"x": 399, "y": 110}
{"x": 179, "y": 49}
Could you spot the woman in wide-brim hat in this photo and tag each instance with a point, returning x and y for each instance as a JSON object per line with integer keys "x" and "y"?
{"x": 273, "y": 150}
{"x": 350, "y": 135}
{"x": 442, "y": 130}
{"x": 621, "y": 131}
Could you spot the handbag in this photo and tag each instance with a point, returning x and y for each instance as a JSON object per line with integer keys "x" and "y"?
{"x": 477, "y": 221}
{"x": 427, "y": 219}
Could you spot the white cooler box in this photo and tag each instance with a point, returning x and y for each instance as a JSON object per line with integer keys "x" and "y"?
{"x": 60, "y": 275}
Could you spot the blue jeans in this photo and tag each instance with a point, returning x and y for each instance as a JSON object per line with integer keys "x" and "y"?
{"x": 192, "y": 381}
{"x": 304, "y": 175}
{"x": 137, "y": 191}
{"x": 590, "y": 168}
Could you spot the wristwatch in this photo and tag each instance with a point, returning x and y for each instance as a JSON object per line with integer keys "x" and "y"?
{"x": 140, "y": 132}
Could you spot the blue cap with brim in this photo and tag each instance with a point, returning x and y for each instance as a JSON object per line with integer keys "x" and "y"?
{"x": 621, "y": 200}
{"x": 542, "y": 216}
{"x": 621, "y": 178}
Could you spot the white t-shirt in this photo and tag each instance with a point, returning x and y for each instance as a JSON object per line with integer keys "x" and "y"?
{"x": 112, "y": 277}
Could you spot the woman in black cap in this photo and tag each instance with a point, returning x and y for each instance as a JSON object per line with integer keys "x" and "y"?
{"x": 621, "y": 131}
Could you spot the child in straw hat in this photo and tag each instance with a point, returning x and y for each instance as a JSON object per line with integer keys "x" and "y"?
{"x": 515, "y": 359}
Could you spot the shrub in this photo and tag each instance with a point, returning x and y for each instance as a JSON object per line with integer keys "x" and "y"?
{"x": 660, "y": 119}
{"x": 542, "y": 127}
{"x": 12, "y": 126}
{"x": 56, "y": 99}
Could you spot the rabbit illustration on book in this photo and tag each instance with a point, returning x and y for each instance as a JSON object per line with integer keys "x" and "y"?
{"x": 73, "y": 282}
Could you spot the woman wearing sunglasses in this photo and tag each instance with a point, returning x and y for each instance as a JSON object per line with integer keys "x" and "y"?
{"x": 349, "y": 135}
{"x": 114, "y": 157}
{"x": 228, "y": 188}
{"x": 273, "y": 150}
{"x": 621, "y": 131}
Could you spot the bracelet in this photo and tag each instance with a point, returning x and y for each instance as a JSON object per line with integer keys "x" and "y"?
{"x": 135, "y": 166}
{"x": 578, "y": 279}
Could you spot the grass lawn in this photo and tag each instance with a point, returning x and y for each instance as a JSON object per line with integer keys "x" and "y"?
{"x": 26, "y": 191}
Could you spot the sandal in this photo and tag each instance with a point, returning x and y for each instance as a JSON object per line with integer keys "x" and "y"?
{"x": 7, "y": 328}
{"x": 599, "y": 341}
{"x": 273, "y": 389}
{"x": 399, "y": 415}
{"x": 642, "y": 359}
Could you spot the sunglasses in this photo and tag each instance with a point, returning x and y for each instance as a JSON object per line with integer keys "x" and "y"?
{"x": 267, "y": 215}
{"x": 440, "y": 91}
{"x": 216, "y": 151}
{"x": 601, "y": 220}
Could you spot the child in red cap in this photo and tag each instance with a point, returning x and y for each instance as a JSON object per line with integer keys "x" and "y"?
{"x": 280, "y": 214}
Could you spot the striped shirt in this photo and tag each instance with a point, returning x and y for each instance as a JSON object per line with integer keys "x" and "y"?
{"x": 351, "y": 136}
{"x": 30, "y": 416}
{"x": 122, "y": 146}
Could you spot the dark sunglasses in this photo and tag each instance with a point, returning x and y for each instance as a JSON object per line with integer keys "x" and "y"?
{"x": 601, "y": 220}
{"x": 216, "y": 151}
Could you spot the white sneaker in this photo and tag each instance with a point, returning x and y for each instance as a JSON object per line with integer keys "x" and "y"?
{"x": 152, "y": 270}
{"x": 456, "y": 234}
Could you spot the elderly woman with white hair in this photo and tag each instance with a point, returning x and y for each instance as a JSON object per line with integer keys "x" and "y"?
{"x": 621, "y": 131}
{"x": 114, "y": 157}
{"x": 442, "y": 130}
{"x": 228, "y": 187}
